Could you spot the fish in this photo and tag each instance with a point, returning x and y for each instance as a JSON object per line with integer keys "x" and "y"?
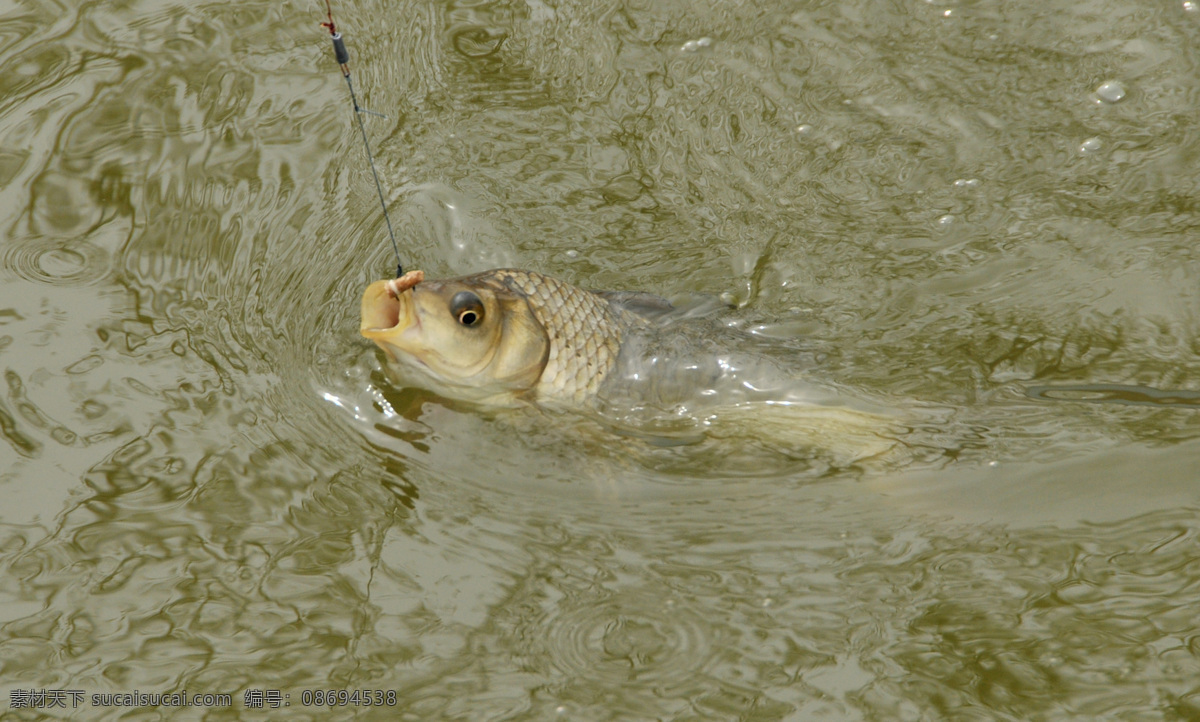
{"x": 503, "y": 336}
{"x": 511, "y": 337}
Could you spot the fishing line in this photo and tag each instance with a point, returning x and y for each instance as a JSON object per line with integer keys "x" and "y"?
{"x": 343, "y": 59}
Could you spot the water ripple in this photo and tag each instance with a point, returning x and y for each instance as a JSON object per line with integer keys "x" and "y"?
{"x": 55, "y": 262}
{"x": 632, "y": 634}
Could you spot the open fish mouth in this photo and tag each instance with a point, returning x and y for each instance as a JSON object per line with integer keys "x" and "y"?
{"x": 387, "y": 307}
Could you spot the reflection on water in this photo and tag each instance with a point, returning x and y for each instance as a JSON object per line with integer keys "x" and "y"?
{"x": 1115, "y": 393}
{"x": 982, "y": 215}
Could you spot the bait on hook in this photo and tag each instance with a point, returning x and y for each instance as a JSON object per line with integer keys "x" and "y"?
{"x": 343, "y": 59}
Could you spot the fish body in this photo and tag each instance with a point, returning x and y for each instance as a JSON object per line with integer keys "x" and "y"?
{"x": 500, "y": 336}
{"x": 509, "y": 336}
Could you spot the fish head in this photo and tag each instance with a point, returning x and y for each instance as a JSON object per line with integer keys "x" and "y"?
{"x": 463, "y": 338}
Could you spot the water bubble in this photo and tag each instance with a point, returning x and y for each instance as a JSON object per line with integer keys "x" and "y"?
{"x": 1110, "y": 91}
{"x": 1189, "y": 6}
{"x": 966, "y": 183}
{"x": 572, "y": 253}
{"x": 692, "y": 46}
{"x": 803, "y": 129}
{"x": 945, "y": 220}
{"x": 1091, "y": 145}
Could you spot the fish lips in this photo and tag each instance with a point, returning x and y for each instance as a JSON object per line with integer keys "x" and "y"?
{"x": 386, "y": 317}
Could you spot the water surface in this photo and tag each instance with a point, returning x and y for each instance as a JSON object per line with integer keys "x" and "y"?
{"x": 984, "y": 212}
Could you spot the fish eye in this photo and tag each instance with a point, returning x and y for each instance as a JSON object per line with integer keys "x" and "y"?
{"x": 466, "y": 308}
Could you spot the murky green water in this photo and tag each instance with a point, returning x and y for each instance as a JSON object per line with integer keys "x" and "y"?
{"x": 985, "y": 211}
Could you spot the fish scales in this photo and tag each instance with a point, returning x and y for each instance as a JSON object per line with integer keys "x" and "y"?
{"x": 584, "y": 331}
